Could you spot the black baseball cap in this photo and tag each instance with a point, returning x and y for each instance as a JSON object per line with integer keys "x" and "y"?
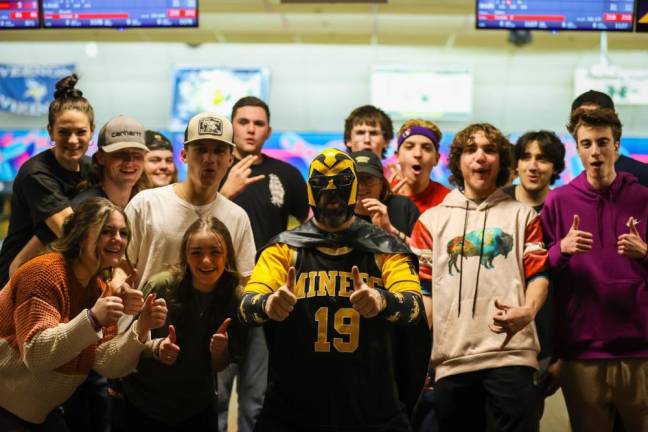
{"x": 156, "y": 141}
{"x": 367, "y": 162}
{"x": 593, "y": 97}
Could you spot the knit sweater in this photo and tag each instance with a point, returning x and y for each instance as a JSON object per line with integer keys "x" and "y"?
{"x": 47, "y": 342}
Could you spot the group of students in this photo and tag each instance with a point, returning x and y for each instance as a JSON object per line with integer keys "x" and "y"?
{"x": 154, "y": 285}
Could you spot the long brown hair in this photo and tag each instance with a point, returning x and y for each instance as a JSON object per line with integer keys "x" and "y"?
{"x": 76, "y": 227}
{"x": 180, "y": 293}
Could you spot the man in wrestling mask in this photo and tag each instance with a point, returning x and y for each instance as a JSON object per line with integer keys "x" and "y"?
{"x": 340, "y": 302}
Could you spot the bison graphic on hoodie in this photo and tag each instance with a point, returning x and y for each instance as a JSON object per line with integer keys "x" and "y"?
{"x": 471, "y": 254}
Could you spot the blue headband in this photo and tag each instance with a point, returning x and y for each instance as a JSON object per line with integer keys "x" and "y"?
{"x": 419, "y": 130}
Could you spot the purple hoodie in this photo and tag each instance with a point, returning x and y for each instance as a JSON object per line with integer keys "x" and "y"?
{"x": 601, "y": 296}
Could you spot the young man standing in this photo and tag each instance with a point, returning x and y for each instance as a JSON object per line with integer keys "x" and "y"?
{"x": 160, "y": 216}
{"x": 592, "y": 99}
{"x": 418, "y": 153}
{"x": 596, "y": 234}
{"x": 482, "y": 261}
{"x": 539, "y": 158}
{"x": 269, "y": 190}
{"x": 118, "y": 163}
{"x": 340, "y": 302}
{"x": 158, "y": 162}
{"x": 368, "y": 128}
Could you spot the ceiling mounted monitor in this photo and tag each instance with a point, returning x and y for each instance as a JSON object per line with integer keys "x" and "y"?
{"x": 18, "y": 14}
{"x": 583, "y": 15}
{"x": 119, "y": 13}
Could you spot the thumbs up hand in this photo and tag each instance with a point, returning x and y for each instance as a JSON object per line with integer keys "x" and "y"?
{"x": 367, "y": 301}
{"x": 576, "y": 241}
{"x": 281, "y": 302}
{"x": 133, "y": 298}
{"x": 108, "y": 308}
{"x": 219, "y": 340}
{"x": 154, "y": 313}
{"x": 169, "y": 351}
{"x": 631, "y": 244}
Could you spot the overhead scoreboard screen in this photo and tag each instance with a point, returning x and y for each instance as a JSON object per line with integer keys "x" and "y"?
{"x": 120, "y": 13}
{"x": 19, "y": 14}
{"x": 592, "y": 15}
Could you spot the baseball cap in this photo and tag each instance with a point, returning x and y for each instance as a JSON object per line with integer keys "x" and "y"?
{"x": 209, "y": 126}
{"x": 120, "y": 133}
{"x": 367, "y": 162}
{"x": 593, "y": 97}
{"x": 156, "y": 141}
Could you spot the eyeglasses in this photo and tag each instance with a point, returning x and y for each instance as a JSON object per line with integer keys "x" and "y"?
{"x": 340, "y": 180}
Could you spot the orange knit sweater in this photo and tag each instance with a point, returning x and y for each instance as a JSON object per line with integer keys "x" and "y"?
{"x": 47, "y": 343}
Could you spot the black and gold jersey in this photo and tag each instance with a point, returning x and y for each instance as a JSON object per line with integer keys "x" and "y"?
{"x": 330, "y": 368}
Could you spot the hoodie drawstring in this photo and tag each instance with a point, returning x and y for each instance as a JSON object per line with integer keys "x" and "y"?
{"x": 461, "y": 257}
{"x": 479, "y": 265}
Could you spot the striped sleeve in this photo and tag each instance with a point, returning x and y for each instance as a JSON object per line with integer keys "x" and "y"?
{"x": 535, "y": 257}
{"x": 421, "y": 244}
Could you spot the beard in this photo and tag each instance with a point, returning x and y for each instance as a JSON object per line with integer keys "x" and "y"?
{"x": 331, "y": 210}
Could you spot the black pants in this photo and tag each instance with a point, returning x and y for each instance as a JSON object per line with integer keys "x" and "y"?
{"x": 508, "y": 392}
{"x": 135, "y": 420}
{"x": 87, "y": 408}
{"x": 53, "y": 423}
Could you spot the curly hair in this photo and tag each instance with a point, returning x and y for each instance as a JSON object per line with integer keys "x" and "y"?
{"x": 423, "y": 123}
{"x": 549, "y": 144}
{"x": 597, "y": 117}
{"x": 66, "y": 97}
{"x": 466, "y": 136}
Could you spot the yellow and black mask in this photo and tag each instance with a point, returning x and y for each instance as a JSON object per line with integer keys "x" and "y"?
{"x": 332, "y": 172}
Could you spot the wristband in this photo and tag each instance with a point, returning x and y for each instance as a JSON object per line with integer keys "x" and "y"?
{"x": 156, "y": 349}
{"x": 94, "y": 322}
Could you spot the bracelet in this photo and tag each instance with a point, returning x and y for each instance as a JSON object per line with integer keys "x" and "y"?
{"x": 156, "y": 349}
{"x": 401, "y": 235}
{"x": 94, "y": 322}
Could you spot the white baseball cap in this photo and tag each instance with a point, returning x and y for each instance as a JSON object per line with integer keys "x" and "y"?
{"x": 211, "y": 127}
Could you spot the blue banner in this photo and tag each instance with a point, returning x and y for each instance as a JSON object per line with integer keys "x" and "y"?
{"x": 29, "y": 89}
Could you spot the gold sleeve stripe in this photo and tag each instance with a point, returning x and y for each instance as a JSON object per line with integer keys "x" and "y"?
{"x": 405, "y": 286}
{"x": 258, "y": 288}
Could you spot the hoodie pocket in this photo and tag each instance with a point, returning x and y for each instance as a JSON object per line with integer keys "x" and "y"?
{"x": 614, "y": 312}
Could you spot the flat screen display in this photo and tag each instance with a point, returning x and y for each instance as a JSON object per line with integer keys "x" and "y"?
{"x": 592, "y": 15}
{"x": 119, "y": 13}
{"x": 642, "y": 16}
{"x": 18, "y": 14}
